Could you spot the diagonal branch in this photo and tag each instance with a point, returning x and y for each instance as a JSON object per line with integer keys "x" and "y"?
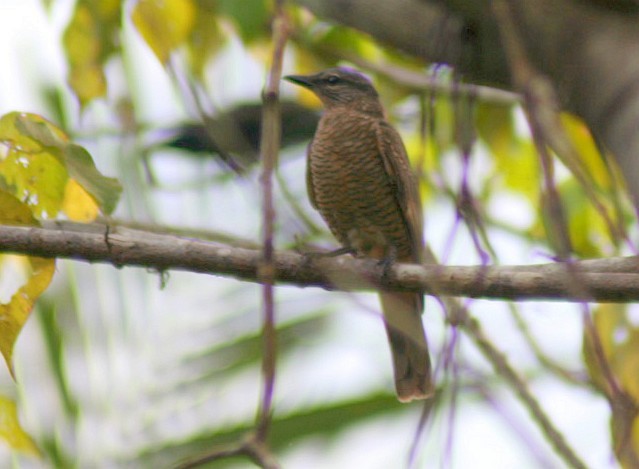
{"x": 601, "y": 280}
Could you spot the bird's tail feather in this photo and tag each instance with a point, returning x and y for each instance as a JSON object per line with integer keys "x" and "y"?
{"x": 409, "y": 348}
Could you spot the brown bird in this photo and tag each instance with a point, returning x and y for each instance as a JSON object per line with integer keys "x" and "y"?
{"x": 360, "y": 180}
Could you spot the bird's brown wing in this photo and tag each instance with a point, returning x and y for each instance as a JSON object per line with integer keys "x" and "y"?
{"x": 404, "y": 327}
{"x": 406, "y": 191}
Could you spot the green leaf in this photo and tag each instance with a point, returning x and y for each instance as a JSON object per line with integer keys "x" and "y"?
{"x": 252, "y": 17}
{"x": 247, "y": 350}
{"x": 105, "y": 190}
{"x": 326, "y": 420}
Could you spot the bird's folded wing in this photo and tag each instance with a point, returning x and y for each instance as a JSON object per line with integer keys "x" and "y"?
{"x": 398, "y": 168}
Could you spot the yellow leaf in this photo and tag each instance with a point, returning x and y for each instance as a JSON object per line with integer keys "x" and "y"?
{"x": 38, "y": 162}
{"x": 11, "y": 431}
{"x": 515, "y": 157}
{"x": 14, "y": 314}
{"x": 423, "y": 157}
{"x": 30, "y": 171}
{"x": 443, "y": 116}
{"x": 164, "y": 24}
{"x": 635, "y": 435}
{"x": 620, "y": 343}
{"x": 627, "y": 362}
{"x": 89, "y": 39}
{"x": 583, "y": 142}
{"x": 496, "y": 127}
{"x": 38, "y": 273}
{"x": 78, "y": 204}
{"x": 308, "y": 63}
{"x": 88, "y": 82}
{"x": 13, "y": 212}
{"x": 205, "y": 41}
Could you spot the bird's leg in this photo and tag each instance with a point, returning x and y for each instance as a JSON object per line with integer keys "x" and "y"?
{"x": 387, "y": 262}
{"x": 309, "y": 256}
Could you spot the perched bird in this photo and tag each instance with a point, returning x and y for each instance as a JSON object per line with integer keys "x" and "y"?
{"x": 360, "y": 180}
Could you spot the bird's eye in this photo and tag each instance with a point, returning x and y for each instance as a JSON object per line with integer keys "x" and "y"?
{"x": 332, "y": 79}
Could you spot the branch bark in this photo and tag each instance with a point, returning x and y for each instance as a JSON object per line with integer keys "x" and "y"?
{"x": 600, "y": 280}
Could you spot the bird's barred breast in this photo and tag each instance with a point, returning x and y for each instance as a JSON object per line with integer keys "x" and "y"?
{"x": 352, "y": 189}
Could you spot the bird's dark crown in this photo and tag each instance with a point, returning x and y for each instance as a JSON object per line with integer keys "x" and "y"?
{"x": 336, "y": 86}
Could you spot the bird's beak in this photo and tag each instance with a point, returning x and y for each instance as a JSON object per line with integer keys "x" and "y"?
{"x": 301, "y": 80}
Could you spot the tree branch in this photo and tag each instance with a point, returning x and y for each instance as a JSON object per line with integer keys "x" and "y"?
{"x": 127, "y": 247}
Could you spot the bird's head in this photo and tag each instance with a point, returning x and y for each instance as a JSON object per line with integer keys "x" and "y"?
{"x": 340, "y": 86}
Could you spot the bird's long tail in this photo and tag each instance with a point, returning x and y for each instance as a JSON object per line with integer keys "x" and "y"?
{"x": 407, "y": 338}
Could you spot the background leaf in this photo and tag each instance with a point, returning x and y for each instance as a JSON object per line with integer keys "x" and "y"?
{"x": 89, "y": 40}
{"x": 76, "y": 160}
{"x": 164, "y": 24}
{"x": 11, "y": 431}
{"x": 252, "y": 17}
{"x": 14, "y": 315}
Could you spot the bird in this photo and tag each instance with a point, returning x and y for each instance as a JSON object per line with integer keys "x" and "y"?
{"x": 235, "y": 133}
{"x": 359, "y": 179}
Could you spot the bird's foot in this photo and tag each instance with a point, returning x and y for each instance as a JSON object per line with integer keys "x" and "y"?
{"x": 386, "y": 263}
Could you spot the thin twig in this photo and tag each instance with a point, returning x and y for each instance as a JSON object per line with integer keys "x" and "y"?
{"x": 269, "y": 148}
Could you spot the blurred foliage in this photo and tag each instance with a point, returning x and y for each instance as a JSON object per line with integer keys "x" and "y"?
{"x": 40, "y": 165}
{"x": 41, "y": 174}
{"x": 35, "y": 271}
{"x": 44, "y": 175}
{"x": 618, "y": 336}
{"x": 164, "y": 25}
{"x": 514, "y": 156}
{"x": 89, "y": 40}
{"x": 12, "y": 432}
{"x": 321, "y": 421}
